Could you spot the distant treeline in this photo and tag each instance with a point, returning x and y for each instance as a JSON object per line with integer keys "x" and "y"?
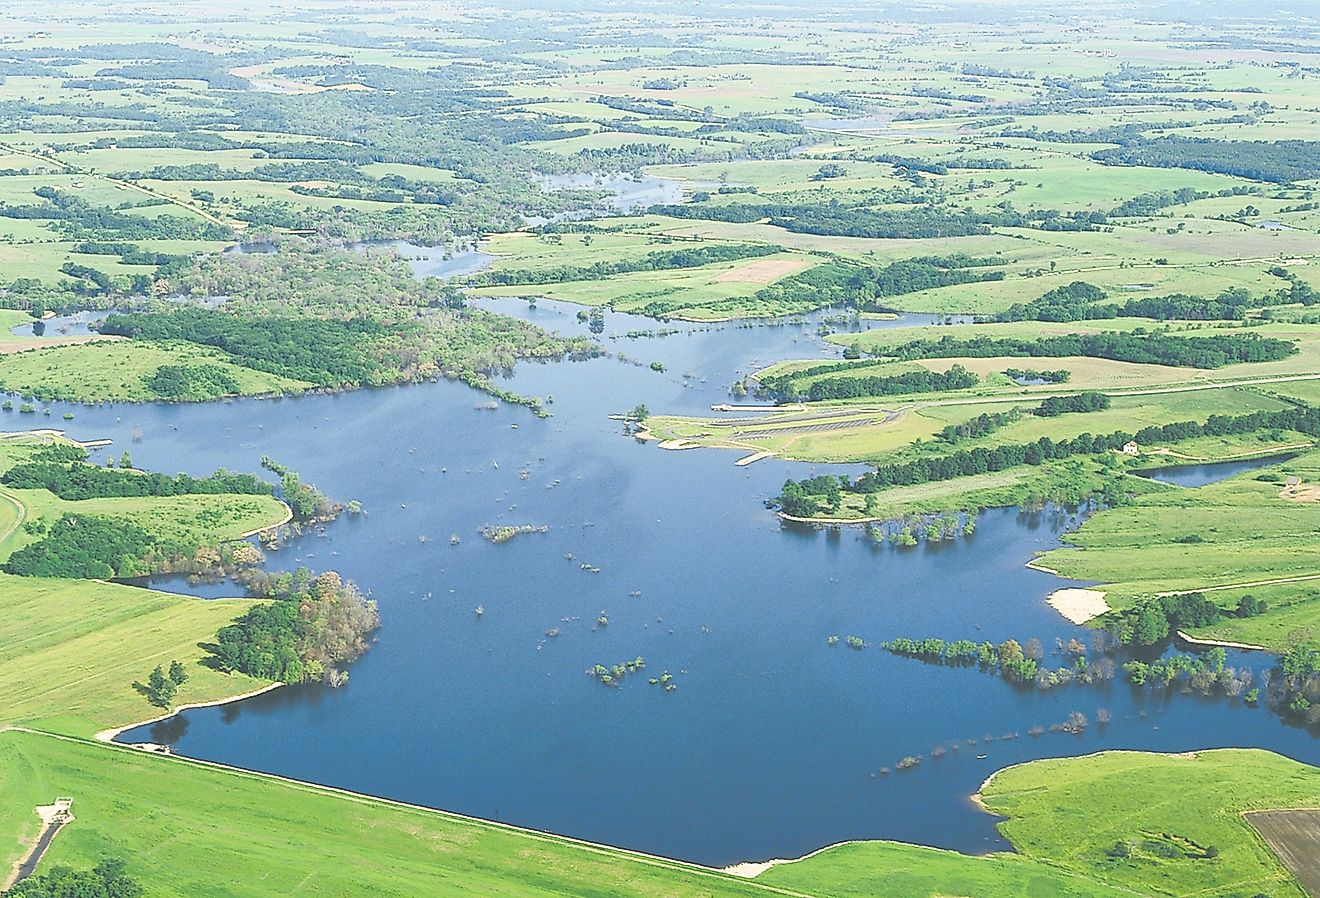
{"x": 662, "y": 260}
{"x": 128, "y": 253}
{"x": 1280, "y": 161}
{"x": 981, "y": 425}
{"x": 1058, "y": 376}
{"x": 76, "y": 481}
{"x": 784, "y": 388}
{"x": 1149, "y": 203}
{"x": 64, "y": 471}
{"x": 837, "y": 282}
{"x": 919, "y": 220}
{"x": 1123, "y": 346}
{"x": 80, "y": 220}
{"x": 1089, "y": 401}
{"x": 1080, "y": 301}
{"x": 325, "y": 352}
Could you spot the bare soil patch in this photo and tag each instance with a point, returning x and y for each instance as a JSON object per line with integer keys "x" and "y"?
{"x": 762, "y": 271}
{"x": 1078, "y": 605}
{"x": 1301, "y": 492}
{"x": 1295, "y": 838}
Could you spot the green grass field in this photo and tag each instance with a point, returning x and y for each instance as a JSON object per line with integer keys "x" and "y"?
{"x": 790, "y": 106}
{"x": 70, "y": 651}
{"x": 187, "y": 520}
{"x": 1238, "y": 531}
{"x": 727, "y": 288}
{"x": 117, "y": 371}
{"x": 891, "y": 427}
{"x": 1074, "y": 811}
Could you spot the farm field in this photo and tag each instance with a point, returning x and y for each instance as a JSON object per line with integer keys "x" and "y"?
{"x": 1295, "y": 837}
{"x": 875, "y": 429}
{"x": 1203, "y": 809}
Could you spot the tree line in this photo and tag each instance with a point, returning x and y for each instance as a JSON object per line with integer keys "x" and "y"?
{"x": 192, "y": 383}
{"x": 921, "y": 221}
{"x": 324, "y": 352}
{"x": 1137, "y": 345}
{"x": 1080, "y": 301}
{"x": 1152, "y": 620}
{"x": 982, "y": 425}
{"x": 80, "y": 220}
{"x": 806, "y": 495}
{"x": 106, "y": 880}
{"x": 1057, "y": 376}
{"x": 64, "y": 471}
{"x": 86, "y": 547}
{"x": 1279, "y": 161}
{"x": 1089, "y": 401}
{"x": 956, "y": 378}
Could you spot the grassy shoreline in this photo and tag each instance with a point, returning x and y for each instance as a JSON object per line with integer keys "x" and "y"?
{"x": 373, "y": 843}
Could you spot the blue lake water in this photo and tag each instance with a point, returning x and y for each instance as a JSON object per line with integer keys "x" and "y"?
{"x": 73, "y": 324}
{"x": 1211, "y": 472}
{"x": 427, "y": 261}
{"x": 625, "y": 192}
{"x": 774, "y": 742}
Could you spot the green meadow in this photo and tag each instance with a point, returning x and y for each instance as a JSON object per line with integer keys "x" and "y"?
{"x": 115, "y": 370}
{"x": 1249, "y": 529}
{"x": 73, "y": 650}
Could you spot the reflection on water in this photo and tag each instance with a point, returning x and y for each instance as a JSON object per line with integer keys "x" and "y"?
{"x": 773, "y": 744}
{"x": 1211, "y": 472}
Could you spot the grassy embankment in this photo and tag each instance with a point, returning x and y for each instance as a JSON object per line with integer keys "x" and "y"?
{"x": 72, "y": 650}
{"x": 236, "y": 834}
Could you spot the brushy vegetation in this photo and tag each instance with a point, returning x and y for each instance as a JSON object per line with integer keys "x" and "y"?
{"x": 315, "y": 627}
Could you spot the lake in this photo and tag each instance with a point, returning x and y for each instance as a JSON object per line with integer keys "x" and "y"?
{"x": 772, "y": 745}
{"x": 1210, "y": 472}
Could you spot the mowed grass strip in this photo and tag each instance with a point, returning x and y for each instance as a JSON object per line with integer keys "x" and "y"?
{"x": 191, "y": 830}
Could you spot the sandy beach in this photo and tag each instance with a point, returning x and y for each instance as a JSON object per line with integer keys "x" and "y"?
{"x": 1078, "y": 605}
